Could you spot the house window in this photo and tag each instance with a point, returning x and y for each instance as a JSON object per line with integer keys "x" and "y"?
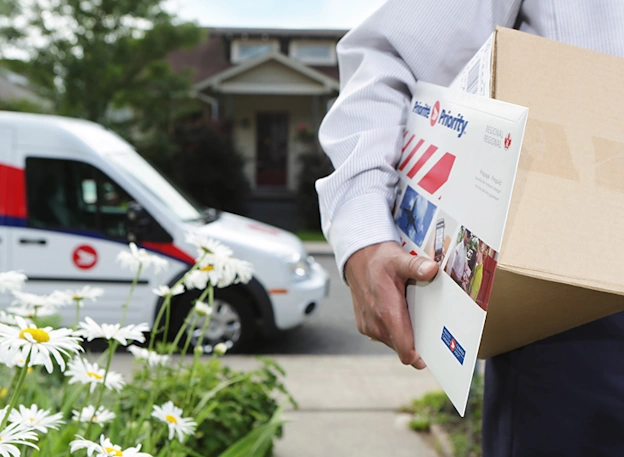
{"x": 314, "y": 52}
{"x": 249, "y": 49}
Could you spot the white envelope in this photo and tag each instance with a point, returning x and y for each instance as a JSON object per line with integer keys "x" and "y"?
{"x": 458, "y": 165}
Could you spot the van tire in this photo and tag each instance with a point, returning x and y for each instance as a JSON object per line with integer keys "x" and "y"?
{"x": 235, "y": 300}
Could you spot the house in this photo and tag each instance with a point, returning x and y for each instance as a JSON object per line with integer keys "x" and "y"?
{"x": 16, "y": 92}
{"x": 274, "y": 86}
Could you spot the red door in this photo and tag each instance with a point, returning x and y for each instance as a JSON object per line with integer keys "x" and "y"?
{"x": 271, "y": 149}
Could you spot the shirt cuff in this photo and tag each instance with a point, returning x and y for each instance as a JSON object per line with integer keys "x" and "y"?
{"x": 361, "y": 222}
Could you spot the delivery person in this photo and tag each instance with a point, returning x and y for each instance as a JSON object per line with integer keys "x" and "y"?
{"x": 563, "y": 396}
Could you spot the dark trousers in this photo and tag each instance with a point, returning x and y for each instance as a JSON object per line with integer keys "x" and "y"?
{"x": 562, "y": 396}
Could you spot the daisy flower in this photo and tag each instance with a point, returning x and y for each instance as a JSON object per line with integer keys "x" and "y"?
{"x": 105, "y": 448}
{"x": 32, "y": 312}
{"x": 35, "y": 301}
{"x": 88, "y": 414}
{"x": 203, "y": 309}
{"x": 8, "y": 318}
{"x": 11, "y": 280}
{"x": 41, "y": 343}
{"x": 220, "y": 349}
{"x": 198, "y": 279}
{"x": 172, "y": 416}
{"x": 228, "y": 270}
{"x": 140, "y": 257}
{"x": 35, "y": 418}
{"x": 12, "y": 359}
{"x": 92, "y": 330}
{"x": 84, "y": 372}
{"x": 165, "y": 291}
{"x": 78, "y": 296}
{"x": 206, "y": 245}
{"x": 16, "y": 435}
{"x": 153, "y": 359}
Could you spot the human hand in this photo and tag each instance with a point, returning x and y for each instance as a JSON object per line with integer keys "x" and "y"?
{"x": 377, "y": 275}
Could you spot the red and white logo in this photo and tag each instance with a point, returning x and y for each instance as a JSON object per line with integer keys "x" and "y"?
{"x": 85, "y": 257}
{"x": 453, "y": 345}
{"x": 435, "y": 113}
{"x": 508, "y": 141}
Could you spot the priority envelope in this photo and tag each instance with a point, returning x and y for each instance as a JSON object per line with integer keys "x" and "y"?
{"x": 562, "y": 255}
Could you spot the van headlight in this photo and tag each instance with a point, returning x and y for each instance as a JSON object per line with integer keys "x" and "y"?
{"x": 300, "y": 267}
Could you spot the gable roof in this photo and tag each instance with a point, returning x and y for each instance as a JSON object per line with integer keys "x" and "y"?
{"x": 325, "y": 83}
{"x": 212, "y": 55}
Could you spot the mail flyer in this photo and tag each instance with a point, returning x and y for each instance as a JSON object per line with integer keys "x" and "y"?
{"x": 458, "y": 164}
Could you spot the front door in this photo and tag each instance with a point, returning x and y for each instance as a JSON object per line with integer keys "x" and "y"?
{"x": 271, "y": 149}
{"x": 75, "y": 228}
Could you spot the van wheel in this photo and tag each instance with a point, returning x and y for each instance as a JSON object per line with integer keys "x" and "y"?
{"x": 232, "y": 321}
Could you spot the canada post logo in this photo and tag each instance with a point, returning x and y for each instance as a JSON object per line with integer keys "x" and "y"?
{"x": 439, "y": 116}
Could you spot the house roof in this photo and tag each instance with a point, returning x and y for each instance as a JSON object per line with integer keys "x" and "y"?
{"x": 212, "y": 56}
{"x": 299, "y": 81}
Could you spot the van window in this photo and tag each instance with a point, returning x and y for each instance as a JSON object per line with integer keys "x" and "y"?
{"x": 72, "y": 195}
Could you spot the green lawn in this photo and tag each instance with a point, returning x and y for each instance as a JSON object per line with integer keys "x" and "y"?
{"x": 310, "y": 236}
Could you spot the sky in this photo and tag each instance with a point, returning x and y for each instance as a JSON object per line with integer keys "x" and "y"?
{"x": 299, "y": 14}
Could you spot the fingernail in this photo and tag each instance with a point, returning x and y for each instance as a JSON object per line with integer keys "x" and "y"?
{"x": 426, "y": 267}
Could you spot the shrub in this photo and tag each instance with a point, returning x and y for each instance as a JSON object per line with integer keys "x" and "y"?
{"x": 313, "y": 165}
{"x": 205, "y": 165}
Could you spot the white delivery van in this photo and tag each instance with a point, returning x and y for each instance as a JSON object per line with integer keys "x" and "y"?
{"x": 65, "y": 189}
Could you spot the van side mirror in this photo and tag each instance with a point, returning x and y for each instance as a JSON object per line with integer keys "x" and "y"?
{"x": 140, "y": 226}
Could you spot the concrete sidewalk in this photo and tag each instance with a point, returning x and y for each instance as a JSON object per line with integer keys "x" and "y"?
{"x": 318, "y": 248}
{"x": 347, "y": 404}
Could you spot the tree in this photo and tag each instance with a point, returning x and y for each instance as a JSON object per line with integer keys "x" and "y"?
{"x": 103, "y": 59}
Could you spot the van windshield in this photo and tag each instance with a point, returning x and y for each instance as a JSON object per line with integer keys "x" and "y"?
{"x": 141, "y": 172}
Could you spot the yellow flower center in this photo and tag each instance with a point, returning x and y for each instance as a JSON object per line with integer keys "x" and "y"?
{"x": 32, "y": 419}
{"x": 3, "y": 392}
{"x": 169, "y": 418}
{"x": 111, "y": 451}
{"x": 91, "y": 374}
{"x": 39, "y": 335}
{"x": 207, "y": 268}
{"x": 29, "y": 370}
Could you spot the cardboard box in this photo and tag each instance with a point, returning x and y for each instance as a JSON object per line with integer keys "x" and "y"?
{"x": 562, "y": 259}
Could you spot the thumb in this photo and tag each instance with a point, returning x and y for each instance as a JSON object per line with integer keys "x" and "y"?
{"x": 415, "y": 267}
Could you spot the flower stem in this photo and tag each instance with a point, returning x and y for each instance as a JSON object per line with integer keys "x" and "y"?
{"x": 12, "y": 386}
{"x": 166, "y": 304}
{"x": 132, "y": 287}
{"x": 16, "y": 392}
{"x": 112, "y": 347}
{"x": 77, "y": 314}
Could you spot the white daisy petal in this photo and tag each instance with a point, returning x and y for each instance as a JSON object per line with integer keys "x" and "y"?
{"x": 91, "y": 330}
{"x": 12, "y": 280}
{"x": 88, "y": 414}
{"x": 43, "y": 343}
{"x": 140, "y": 258}
{"x": 82, "y": 371}
{"x": 172, "y": 416}
{"x": 165, "y": 291}
{"x": 13, "y": 435}
{"x": 153, "y": 359}
{"x": 35, "y": 418}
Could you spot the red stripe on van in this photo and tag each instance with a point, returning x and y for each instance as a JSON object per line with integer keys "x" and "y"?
{"x": 171, "y": 250}
{"x": 12, "y": 192}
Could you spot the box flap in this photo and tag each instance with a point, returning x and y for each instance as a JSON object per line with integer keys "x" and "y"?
{"x": 567, "y": 211}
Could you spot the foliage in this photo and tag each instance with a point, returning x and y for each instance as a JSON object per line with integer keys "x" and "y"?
{"x": 310, "y": 235}
{"x": 206, "y": 165}
{"x": 105, "y": 61}
{"x": 436, "y": 408}
{"x": 23, "y": 105}
{"x": 213, "y": 409}
{"x": 313, "y": 165}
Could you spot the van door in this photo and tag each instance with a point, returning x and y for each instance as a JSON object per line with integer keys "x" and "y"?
{"x": 7, "y": 205}
{"x": 74, "y": 231}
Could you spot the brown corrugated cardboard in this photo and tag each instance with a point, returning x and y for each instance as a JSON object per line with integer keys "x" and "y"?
{"x": 562, "y": 255}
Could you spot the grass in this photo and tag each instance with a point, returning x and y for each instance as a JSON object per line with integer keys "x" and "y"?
{"x": 436, "y": 408}
{"x": 310, "y": 236}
